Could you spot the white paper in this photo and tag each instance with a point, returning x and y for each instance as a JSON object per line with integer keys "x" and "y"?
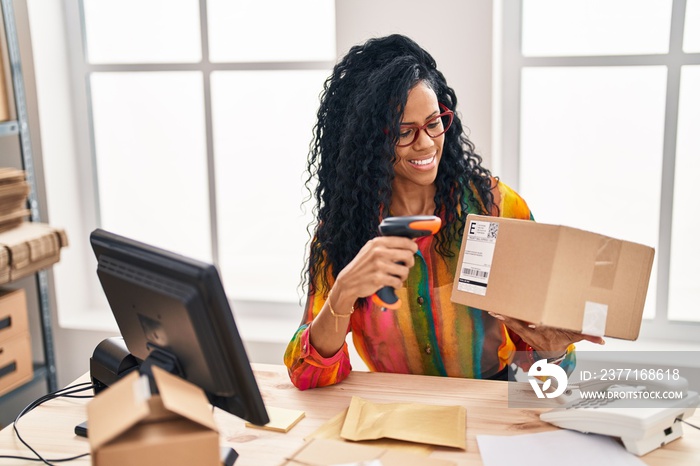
{"x": 595, "y": 316}
{"x": 478, "y": 255}
{"x": 555, "y": 447}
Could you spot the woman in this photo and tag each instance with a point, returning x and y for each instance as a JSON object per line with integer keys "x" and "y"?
{"x": 388, "y": 143}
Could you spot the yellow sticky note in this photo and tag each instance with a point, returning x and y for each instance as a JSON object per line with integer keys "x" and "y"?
{"x": 281, "y": 419}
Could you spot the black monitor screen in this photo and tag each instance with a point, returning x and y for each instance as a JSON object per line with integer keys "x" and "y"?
{"x": 168, "y": 304}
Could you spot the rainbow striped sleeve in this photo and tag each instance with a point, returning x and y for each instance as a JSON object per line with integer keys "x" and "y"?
{"x": 307, "y": 368}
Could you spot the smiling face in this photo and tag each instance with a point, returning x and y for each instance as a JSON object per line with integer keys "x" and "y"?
{"x": 417, "y": 164}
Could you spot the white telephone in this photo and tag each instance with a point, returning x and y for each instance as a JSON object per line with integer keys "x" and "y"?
{"x": 613, "y": 413}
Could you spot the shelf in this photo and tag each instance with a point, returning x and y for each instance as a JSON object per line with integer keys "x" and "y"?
{"x": 9, "y": 128}
{"x": 40, "y": 373}
{"x": 19, "y": 129}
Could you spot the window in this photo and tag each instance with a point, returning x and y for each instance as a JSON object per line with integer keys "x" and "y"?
{"x": 599, "y": 116}
{"x": 260, "y": 155}
{"x": 199, "y": 119}
{"x": 684, "y": 288}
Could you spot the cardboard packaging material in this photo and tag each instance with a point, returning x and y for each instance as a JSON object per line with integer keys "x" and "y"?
{"x": 30, "y": 247}
{"x": 5, "y": 114}
{"x": 13, "y": 313}
{"x": 128, "y": 425}
{"x": 15, "y": 362}
{"x": 323, "y": 452}
{"x": 554, "y": 276}
{"x": 14, "y": 190}
{"x": 15, "y": 341}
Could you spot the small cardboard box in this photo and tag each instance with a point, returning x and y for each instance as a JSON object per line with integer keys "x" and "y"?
{"x": 128, "y": 425}
{"x": 553, "y": 275}
{"x": 15, "y": 362}
{"x": 13, "y": 313}
{"x": 30, "y": 247}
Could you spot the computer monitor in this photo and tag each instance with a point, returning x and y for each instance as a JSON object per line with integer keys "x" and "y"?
{"x": 173, "y": 312}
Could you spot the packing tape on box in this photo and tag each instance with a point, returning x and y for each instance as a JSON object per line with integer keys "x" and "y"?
{"x": 595, "y": 315}
{"x": 605, "y": 266}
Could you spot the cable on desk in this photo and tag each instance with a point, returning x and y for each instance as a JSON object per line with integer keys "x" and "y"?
{"x": 686, "y": 422}
{"x": 68, "y": 392}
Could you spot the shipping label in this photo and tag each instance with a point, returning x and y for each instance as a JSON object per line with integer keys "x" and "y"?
{"x": 478, "y": 255}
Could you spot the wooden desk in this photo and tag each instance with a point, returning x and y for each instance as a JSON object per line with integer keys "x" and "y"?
{"x": 49, "y": 428}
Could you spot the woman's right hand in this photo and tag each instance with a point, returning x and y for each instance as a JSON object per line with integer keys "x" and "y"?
{"x": 382, "y": 261}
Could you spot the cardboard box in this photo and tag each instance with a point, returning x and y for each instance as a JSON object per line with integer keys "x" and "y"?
{"x": 15, "y": 362}
{"x": 553, "y": 275}
{"x": 15, "y": 342}
{"x": 5, "y": 114}
{"x": 128, "y": 425}
{"x": 14, "y": 190}
{"x": 13, "y": 313}
{"x": 30, "y": 247}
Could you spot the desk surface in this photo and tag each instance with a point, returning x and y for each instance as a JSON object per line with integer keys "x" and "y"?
{"x": 49, "y": 428}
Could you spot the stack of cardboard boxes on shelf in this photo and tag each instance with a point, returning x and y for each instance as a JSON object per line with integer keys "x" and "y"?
{"x": 15, "y": 342}
{"x": 25, "y": 248}
{"x": 14, "y": 190}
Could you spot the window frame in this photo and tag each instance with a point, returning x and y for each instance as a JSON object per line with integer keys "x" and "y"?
{"x": 512, "y": 64}
{"x": 95, "y": 313}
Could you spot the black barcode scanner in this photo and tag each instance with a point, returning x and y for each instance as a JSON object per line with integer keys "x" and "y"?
{"x": 412, "y": 226}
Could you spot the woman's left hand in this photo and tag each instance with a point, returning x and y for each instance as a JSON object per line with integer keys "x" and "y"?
{"x": 547, "y": 341}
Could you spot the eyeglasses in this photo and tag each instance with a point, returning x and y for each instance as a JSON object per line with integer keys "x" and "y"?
{"x": 437, "y": 126}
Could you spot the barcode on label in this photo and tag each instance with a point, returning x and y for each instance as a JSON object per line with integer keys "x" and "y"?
{"x": 493, "y": 230}
{"x": 474, "y": 272}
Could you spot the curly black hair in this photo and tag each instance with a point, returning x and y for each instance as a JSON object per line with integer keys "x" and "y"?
{"x": 352, "y": 153}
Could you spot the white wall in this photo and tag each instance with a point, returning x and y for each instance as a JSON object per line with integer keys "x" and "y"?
{"x": 458, "y": 36}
